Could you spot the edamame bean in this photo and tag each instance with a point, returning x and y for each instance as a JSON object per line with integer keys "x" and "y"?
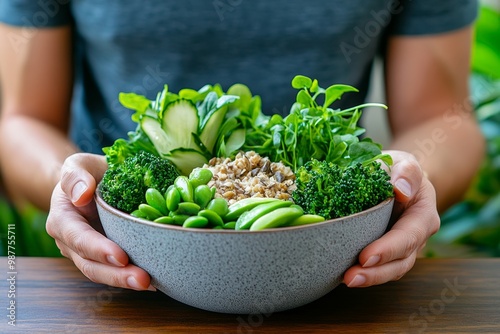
{"x": 202, "y": 195}
{"x": 213, "y": 218}
{"x": 219, "y": 206}
{"x": 150, "y": 212}
{"x": 306, "y": 219}
{"x": 138, "y": 214}
{"x": 195, "y": 221}
{"x": 229, "y": 225}
{"x": 200, "y": 176}
{"x": 179, "y": 219}
{"x": 185, "y": 188}
{"x": 164, "y": 220}
{"x": 156, "y": 200}
{"x": 173, "y": 199}
{"x": 276, "y": 218}
{"x": 236, "y": 209}
{"x": 188, "y": 208}
{"x": 297, "y": 207}
{"x": 247, "y": 218}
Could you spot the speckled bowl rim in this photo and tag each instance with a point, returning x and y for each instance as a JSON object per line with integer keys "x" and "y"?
{"x": 121, "y": 214}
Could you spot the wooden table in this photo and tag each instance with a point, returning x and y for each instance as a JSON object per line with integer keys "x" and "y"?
{"x": 438, "y": 295}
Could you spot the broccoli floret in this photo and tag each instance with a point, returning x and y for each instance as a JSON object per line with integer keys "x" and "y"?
{"x": 124, "y": 185}
{"x": 331, "y": 191}
{"x": 123, "y": 148}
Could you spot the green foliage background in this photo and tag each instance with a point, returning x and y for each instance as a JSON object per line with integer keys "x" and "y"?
{"x": 473, "y": 224}
{"x": 27, "y": 235}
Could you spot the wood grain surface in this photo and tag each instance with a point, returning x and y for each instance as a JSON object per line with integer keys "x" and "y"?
{"x": 436, "y": 296}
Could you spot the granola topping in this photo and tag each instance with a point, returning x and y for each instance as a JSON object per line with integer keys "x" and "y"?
{"x": 250, "y": 175}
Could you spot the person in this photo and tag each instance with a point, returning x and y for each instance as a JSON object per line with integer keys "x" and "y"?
{"x": 63, "y": 63}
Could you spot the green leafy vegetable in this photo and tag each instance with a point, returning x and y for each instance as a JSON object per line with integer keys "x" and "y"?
{"x": 313, "y": 130}
{"x": 187, "y": 128}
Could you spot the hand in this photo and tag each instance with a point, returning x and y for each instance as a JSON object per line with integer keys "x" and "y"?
{"x": 394, "y": 254}
{"x": 74, "y": 224}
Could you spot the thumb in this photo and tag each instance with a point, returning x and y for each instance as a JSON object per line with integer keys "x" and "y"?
{"x": 79, "y": 176}
{"x": 406, "y": 175}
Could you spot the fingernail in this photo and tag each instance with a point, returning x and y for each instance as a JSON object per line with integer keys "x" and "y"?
{"x": 132, "y": 283}
{"x": 373, "y": 260}
{"x": 358, "y": 280}
{"x": 78, "y": 190}
{"x": 151, "y": 288}
{"x": 111, "y": 259}
{"x": 404, "y": 187}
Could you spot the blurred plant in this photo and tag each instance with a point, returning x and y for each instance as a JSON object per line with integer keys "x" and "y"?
{"x": 486, "y": 49}
{"x": 474, "y": 223}
{"x": 476, "y": 220}
{"x": 31, "y": 239}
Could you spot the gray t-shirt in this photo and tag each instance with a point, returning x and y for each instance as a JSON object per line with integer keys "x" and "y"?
{"x": 138, "y": 46}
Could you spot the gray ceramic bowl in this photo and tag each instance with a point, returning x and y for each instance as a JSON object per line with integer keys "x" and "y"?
{"x": 241, "y": 271}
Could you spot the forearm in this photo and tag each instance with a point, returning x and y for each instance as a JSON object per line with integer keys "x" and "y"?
{"x": 32, "y": 153}
{"x": 450, "y": 149}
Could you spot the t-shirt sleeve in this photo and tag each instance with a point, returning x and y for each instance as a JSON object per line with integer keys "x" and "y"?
{"x": 35, "y": 14}
{"x": 422, "y": 17}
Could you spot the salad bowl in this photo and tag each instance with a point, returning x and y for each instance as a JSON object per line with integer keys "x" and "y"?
{"x": 244, "y": 272}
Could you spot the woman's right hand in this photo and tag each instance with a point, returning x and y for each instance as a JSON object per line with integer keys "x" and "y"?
{"x": 74, "y": 224}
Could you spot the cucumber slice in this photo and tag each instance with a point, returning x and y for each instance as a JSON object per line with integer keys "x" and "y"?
{"x": 186, "y": 159}
{"x": 209, "y": 132}
{"x": 158, "y": 137}
{"x": 179, "y": 121}
{"x": 235, "y": 141}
